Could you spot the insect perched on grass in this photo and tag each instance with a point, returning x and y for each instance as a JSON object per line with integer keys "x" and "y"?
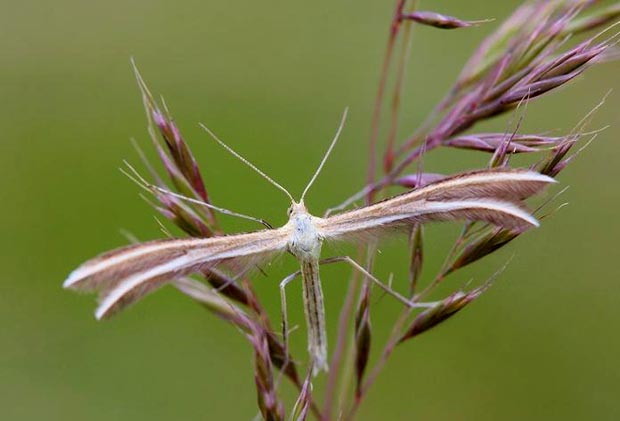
{"x": 124, "y": 275}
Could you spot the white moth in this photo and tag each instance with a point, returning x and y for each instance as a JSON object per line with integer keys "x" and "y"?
{"x": 124, "y": 275}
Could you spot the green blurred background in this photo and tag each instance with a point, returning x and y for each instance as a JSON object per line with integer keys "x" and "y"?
{"x": 272, "y": 78}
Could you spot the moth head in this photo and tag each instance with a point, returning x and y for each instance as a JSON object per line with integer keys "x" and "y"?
{"x": 296, "y": 208}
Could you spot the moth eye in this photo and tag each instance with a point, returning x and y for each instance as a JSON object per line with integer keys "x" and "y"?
{"x": 289, "y": 211}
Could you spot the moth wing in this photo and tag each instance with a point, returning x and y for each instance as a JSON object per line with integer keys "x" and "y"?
{"x": 124, "y": 275}
{"x": 494, "y": 196}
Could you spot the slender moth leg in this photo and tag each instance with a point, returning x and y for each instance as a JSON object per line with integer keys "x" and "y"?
{"x": 380, "y": 284}
{"x": 283, "y": 285}
{"x": 356, "y": 266}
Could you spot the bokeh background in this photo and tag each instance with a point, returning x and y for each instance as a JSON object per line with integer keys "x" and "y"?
{"x": 272, "y": 78}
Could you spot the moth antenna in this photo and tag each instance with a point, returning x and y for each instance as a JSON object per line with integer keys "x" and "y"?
{"x": 329, "y": 150}
{"x": 246, "y": 162}
{"x": 151, "y": 188}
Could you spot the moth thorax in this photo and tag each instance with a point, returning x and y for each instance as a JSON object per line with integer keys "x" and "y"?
{"x": 305, "y": 242}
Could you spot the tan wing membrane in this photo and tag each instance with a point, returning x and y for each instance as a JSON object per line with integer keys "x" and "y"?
{"x": 492, "y": 196}
{"x": 124, "y": 275}
{"x": 510, "y": 184}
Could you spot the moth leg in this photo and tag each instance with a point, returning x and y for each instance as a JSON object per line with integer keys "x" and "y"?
{"x": 380, "y": 284}
{"x": 135, "y": 176}
{"x": 283, "y": 285}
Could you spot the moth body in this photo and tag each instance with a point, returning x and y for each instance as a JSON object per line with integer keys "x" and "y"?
{"x": 305, "y": 243}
